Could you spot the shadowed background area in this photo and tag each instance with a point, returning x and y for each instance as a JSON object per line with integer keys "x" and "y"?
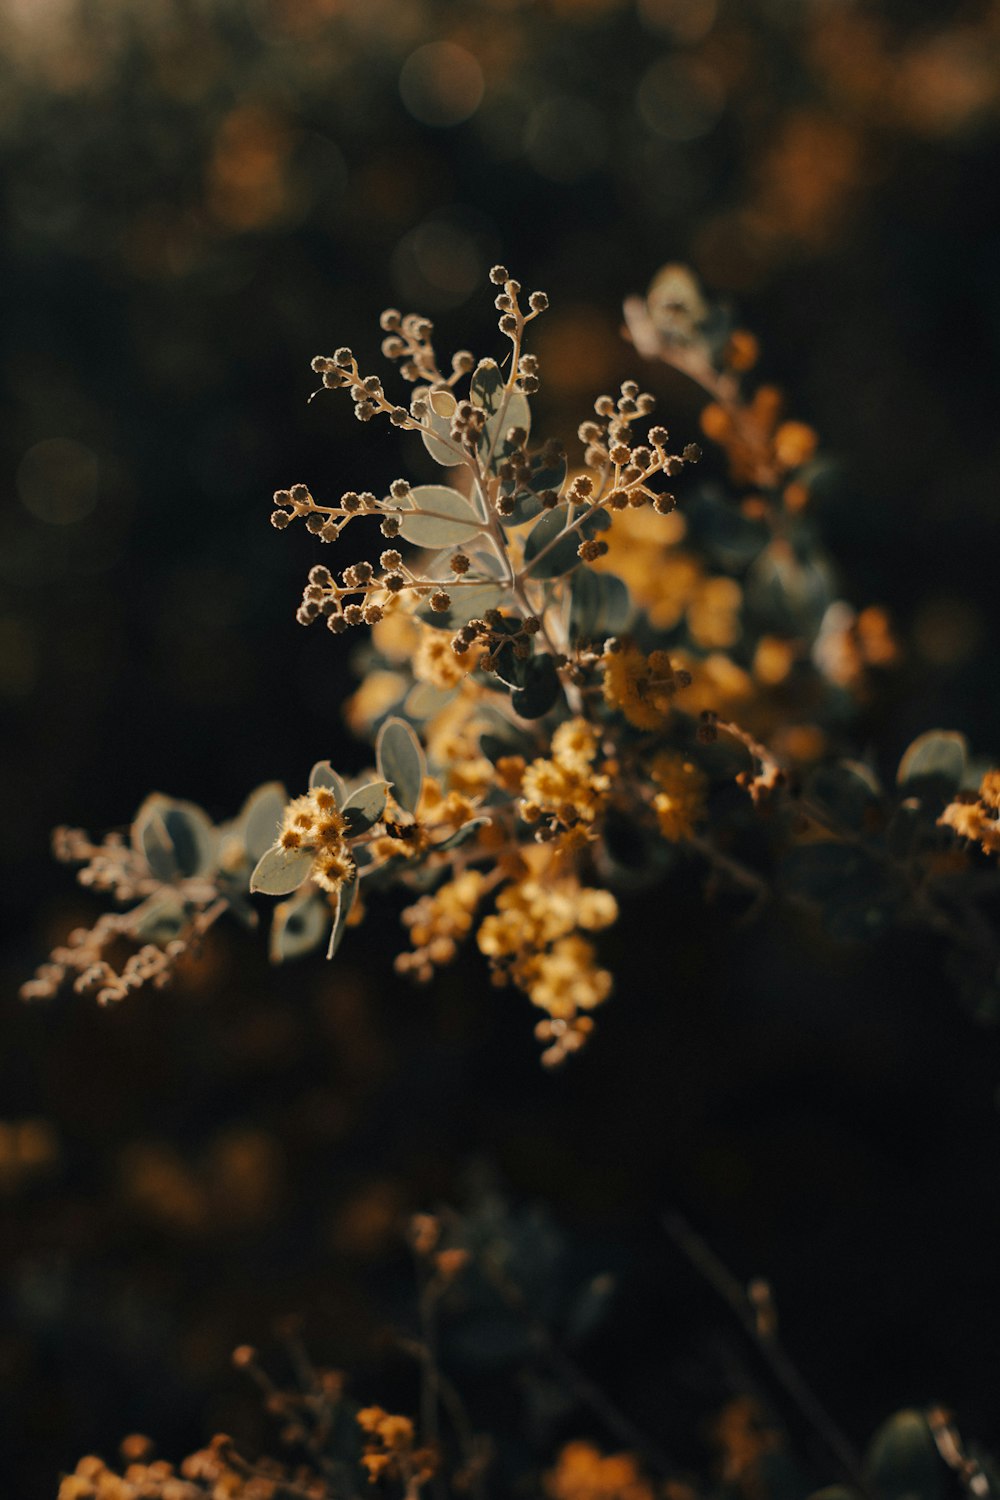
{"x": 198, "y": 196}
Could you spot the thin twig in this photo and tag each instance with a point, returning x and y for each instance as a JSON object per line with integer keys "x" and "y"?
{"x": 761, "y": 1331}
{"x": 578, "y": 1381}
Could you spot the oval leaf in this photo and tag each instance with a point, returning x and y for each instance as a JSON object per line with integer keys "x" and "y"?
{"x": 903, "y": 1460}
{"x": 462, "y": 835}
{"x": 560, "y": 553}
{"x": 177, "y": 838}
{"x": 298, "y": 926}
{"x": 540, "y": 690}
{"x": 486, "y": 386}
{"x": 345, "y": 900}
{"x": 364, "y": 807}
{"x": 323, "y": 774}
{"x": 601, "y": 605}
{"x": 400, "y": 759}
{"x": 281, "y": 871}
{"x": 445, "y": 517}
{"x": 466, "y": 604}
{"x": 493, "y": 443}
{"x": 260, "y": 816}
{"x": 437, "y": 427}
{"x": 937, "y": 757}
{"x": 424, "y": 700}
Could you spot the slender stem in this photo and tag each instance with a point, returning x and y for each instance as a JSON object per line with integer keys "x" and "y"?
{"x": 756, "y": 1319}
{"x": 578, "y": 1381}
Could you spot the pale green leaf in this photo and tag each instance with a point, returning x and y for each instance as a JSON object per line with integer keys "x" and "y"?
{"x": 441, "y": 517}
{"x": 400, "y": 760}
{"x": 280, "y": 871}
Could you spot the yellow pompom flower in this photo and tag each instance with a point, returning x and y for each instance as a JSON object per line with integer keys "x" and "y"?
{"x": 641, "y": 686}
{"x": 313, "y": 822}
{"x": 680, "y": 802}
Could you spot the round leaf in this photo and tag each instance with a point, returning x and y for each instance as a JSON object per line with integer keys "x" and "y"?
{"x": 177, "y": 838}
{"x": 903, "y": 1462}
{"x": 936, "y": 758}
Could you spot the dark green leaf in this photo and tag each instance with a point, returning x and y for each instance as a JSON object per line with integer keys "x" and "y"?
{"x": 463, "y": 834}
{"x": 563, "y": 556}
{"x": 846, "y": 790}
{"x": 786, "y": 593}
{"x": 903, "y": 1462}
{"x": 601, "y": 605}
{"x": 540, "y": 690}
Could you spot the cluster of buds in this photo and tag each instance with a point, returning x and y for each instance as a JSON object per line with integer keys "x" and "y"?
{"x": 408, "y": 343}
{"x": 112, "y": 865}
{"x": 508, "y": 305}
{"x": 609, "y": 446}
{"x": 391, "y": 1451}
{"x": 494, "y": 631}
{"x": 361, "y": 596}
{"x": 517, "y": 468}
{"x": 340, "y": 371}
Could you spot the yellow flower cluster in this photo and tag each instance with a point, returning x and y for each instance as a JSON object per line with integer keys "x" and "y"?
{"x": 680, "y": 802}
{"x": 313, "y": 822}
{"x": 438, "y": 923}
{"x": 439, "y": 815}
{"x": 534, "y": 939}
{"x": 436, "y": 663}
{"x": 977, "y": 819}
{"x": 566, "y": 786}
{"x": 452, "y": 741}
{"x": 583, "y": 1472}
{"x": 760, "y": 447}
{"x": 670, "y": 585}
{"x": 391, "y": 1452}
{"x": 641, "y": 686}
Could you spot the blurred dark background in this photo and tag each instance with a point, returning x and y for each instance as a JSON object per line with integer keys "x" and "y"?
{"x": 199, "y": 195}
